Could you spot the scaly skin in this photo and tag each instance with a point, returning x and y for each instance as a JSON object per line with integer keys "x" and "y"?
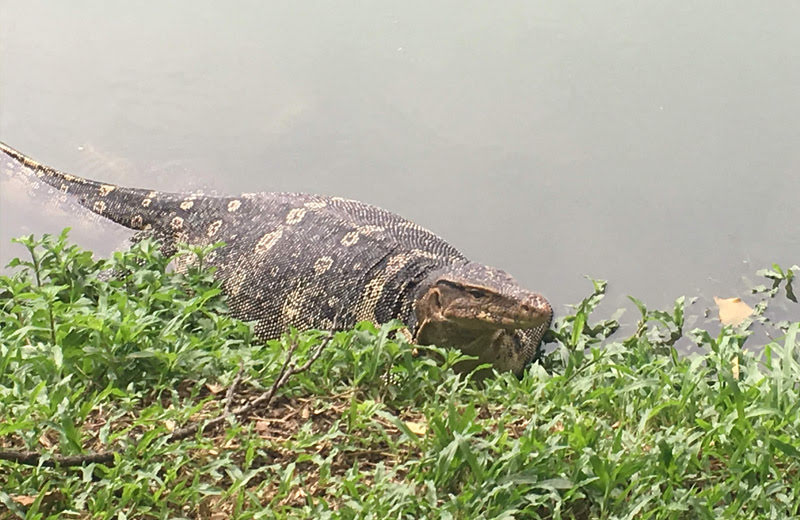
{"x": 310, "y": 261}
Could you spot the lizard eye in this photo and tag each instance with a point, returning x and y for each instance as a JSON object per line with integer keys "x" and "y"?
{"x": 476, "y": 293}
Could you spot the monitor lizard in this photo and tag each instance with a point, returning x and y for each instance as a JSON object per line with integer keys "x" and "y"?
{"x": 311, "y": 261}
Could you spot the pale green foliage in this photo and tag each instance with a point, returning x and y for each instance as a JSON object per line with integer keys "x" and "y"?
{"x": 602, "y": 428}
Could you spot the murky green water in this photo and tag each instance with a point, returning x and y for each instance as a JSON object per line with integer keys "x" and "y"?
{"x": 651, "y": 144}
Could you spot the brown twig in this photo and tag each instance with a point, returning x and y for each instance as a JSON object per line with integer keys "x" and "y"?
{"x": 288, "y": 369}
{"x": 283, "y": 375}
{"x": 232, "y": 389}
{"x": 33, "y": 458}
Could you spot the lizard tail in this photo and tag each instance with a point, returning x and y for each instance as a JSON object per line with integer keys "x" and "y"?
{"x": 107, "y": 200}
{"x": 59, "y": 180}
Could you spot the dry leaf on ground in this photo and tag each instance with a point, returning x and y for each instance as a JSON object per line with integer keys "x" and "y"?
{"x": 23, "y": 500}
{"x": 215, "y": 388}
{"x": 417, "y": 428}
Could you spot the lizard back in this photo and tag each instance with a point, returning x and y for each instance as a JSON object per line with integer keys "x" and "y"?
{"x": 289, "y": 259}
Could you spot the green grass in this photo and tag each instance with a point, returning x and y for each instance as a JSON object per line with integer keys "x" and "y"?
{"x": 602, "y": 428}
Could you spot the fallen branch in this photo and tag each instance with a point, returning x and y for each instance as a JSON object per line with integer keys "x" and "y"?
{"x": 283, "y": 376}
{"x": 33, "y": 458}
{"x": 288, "y": 369}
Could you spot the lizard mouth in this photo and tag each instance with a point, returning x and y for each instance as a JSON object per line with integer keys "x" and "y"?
{"x": 485, "y": 319}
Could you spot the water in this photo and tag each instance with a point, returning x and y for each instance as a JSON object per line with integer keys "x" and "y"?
{"x": 651, "y": 144}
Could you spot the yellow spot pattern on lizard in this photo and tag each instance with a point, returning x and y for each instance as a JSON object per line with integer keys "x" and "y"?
{"x": 369, "y": 230}
{"x": 213, "y": 228}
{"x": 372, "y": 292}
{"x": 295, "y": 215}
{"x": 234, "y": 205}
{"x": 350, "y": 238}
{"x": 293, "y": 305}
{"x": 424, "y": 254}
{"x": 322, "y": 264}
{"x": 267, "y": 241}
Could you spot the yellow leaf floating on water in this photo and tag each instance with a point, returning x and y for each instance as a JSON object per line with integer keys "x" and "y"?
{"x": 732, "y": 311}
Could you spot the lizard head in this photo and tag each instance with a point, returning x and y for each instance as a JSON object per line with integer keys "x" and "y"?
{"x": 478, "y": 297}
{"x": 483, "y": 312}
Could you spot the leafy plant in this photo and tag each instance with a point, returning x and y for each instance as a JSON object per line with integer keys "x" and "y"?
{"x": 118, "y": 354}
